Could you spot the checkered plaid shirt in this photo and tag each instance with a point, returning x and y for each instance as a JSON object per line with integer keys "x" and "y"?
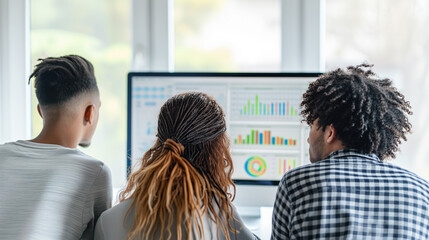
{"x": 351, "y": 196}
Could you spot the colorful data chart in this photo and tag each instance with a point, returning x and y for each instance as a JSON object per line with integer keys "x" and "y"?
{"x": 286, "y": 165}
{"x": 266, "y": 103}
{"x": 255, "y": 166}
{"x": 254, "y": 107}
{"x": 263, "y": 137}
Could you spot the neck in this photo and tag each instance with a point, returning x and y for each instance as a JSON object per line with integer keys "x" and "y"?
{"x": 334, "y": 146}
{"x": 60, "y": 134}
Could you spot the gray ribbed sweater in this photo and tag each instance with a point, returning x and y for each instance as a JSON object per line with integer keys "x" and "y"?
{"x": 50, "y": 192}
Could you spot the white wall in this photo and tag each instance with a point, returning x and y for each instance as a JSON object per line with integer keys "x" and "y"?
{"x": 15, "y": 104}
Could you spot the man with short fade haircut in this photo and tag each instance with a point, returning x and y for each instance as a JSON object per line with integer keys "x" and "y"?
{"x": 50, "y": 189}
{"x": 357, "y": 122}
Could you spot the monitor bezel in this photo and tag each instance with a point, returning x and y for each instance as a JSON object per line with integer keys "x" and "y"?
{"x": 204, "y": 74}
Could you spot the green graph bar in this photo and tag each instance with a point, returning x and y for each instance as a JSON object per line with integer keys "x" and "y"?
{"x": 257, "y": 104}
{"x": 235, "y": 140}
{"x": 291, "y": 110}
{"x": 244, "y": 110}
{"x": 248, "y": 106}
{"x": 248, "y": 138}
{"x": 294, "y": 163}
{"x": 253, "y": 136}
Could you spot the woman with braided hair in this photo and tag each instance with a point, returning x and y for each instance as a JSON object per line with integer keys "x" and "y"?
{"x": 181, "y": 190}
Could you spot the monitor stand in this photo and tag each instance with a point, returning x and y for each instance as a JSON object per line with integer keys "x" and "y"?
{"x": 255, "y": 196}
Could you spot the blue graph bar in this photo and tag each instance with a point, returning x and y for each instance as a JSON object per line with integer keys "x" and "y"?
{"x": 284, "y": 109}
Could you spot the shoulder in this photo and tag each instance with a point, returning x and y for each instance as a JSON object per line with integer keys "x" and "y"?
{"x": 407, "y": 178}
{"x": 307, "y": 179}
{"x": 116, "y": 213}
{"x": 300, "y": 173}
{"x": 47, "y": 152}
{"x": 114, "y": 222}
{"x": 88, "y": 165}
{"x": 87, "y": 159}
{"x": 9, "y": 146}
{"x": 68, "y": 161}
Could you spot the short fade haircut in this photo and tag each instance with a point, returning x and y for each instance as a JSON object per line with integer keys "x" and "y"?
{"x": 368, "y": 113}
{"x": 59, "y": 79}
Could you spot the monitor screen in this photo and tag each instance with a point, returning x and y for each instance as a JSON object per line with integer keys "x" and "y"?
{"x": 261, "y": 110}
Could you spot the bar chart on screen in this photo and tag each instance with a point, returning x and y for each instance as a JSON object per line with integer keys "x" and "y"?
{"x": 265, "y": 104}
{"x": 286, "y": 164}
{"x": 281, "y": 137}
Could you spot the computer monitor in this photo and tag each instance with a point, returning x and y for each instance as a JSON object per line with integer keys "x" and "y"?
{"x": 262, "y": 115}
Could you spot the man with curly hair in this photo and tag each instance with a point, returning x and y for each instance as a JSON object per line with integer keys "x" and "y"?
{"x": 357, "y": 121}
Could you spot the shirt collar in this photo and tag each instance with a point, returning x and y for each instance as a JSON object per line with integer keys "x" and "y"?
{"x": 351, "y": 152}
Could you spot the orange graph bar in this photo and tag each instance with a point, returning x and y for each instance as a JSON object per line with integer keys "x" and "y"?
{"x": 277, "y": 140}
{"x": 257, "y": 137}
{"x": 239, "y": 139}
{"x": 269, "y": 137}
{"x": 265, "y": 137}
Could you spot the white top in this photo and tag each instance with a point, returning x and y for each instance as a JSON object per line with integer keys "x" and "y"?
{"x": 50, "y": 192}
{"x": 111, "y": 226}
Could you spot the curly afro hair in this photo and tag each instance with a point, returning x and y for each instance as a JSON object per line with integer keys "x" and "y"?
{"x": 368, "y": 113}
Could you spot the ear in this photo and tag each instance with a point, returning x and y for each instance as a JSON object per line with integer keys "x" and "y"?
{"x": 89, "y": 113}
{"x": 38, "y": 110}
{"x": 330, "y": 133}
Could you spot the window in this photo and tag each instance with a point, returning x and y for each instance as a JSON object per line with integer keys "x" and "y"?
{"x": 395, "y": 39}
{"x": 208, "y": 35}
{"x": 227, "y": 35}
{"x": 98, "y": 30}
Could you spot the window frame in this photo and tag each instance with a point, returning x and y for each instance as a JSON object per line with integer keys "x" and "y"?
{"x": 15, "y": 105}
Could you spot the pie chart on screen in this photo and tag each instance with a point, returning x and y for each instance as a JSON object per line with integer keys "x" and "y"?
{"x": 255, "y": 166}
